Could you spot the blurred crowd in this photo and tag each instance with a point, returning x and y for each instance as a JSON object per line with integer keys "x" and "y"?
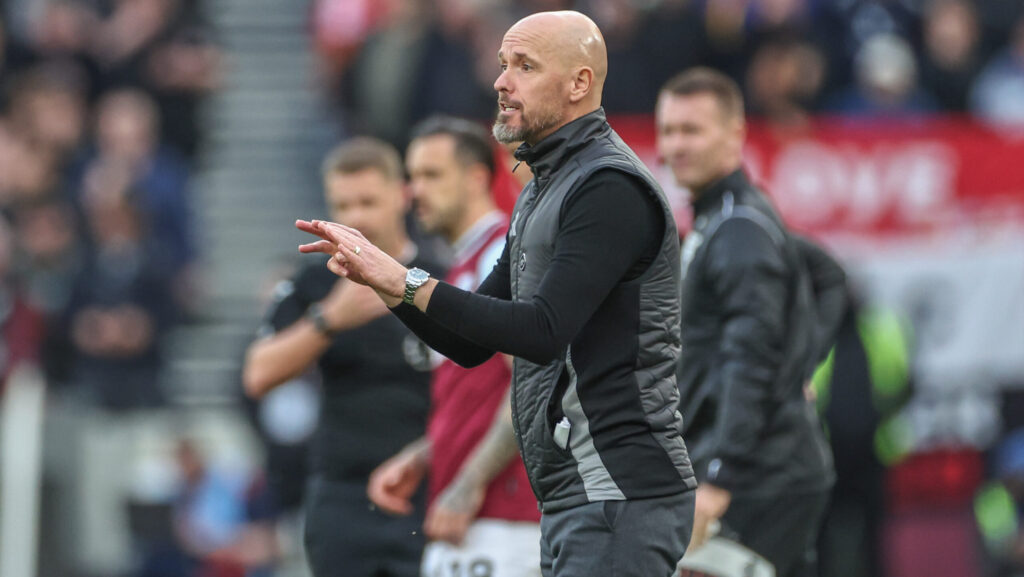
{"x": 387, "y": 64}
{"x": 101, "y": 132}
{"x": 99, "y": 135}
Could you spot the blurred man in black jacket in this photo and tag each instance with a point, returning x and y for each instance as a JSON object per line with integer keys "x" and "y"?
{"x": 759, "y": 310}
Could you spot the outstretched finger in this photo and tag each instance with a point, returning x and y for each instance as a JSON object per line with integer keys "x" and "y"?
{"x": 339, "y": 232}
{"x": 324, "y": 246}
{"x": 311, "y": 227}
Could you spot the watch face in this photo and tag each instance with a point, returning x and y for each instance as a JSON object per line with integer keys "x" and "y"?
{"x": 417, "y": 276}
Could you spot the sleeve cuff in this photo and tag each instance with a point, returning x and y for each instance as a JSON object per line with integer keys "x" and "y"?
{"x": 721, "y": 474}
{"x": 446, "y": 306}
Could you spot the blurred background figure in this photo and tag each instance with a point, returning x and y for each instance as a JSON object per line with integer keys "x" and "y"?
{"x": 785, "y": 81}
{"x": 952, "y": 52}
{"x": 886, "y": 82}
{"x": 48, "y": 105}
{"x": 21, "y": 325}
{"x": 120, "y": 307}
{"x": 859, "y": 391}
{"x": 997, "y": 508}
{"x": 998, "y": 92}
{"x": 374, "y": 374}
{"x": 409, "y": 66}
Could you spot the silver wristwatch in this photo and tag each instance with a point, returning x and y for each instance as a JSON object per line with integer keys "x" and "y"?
{"x": 414, "y": 279}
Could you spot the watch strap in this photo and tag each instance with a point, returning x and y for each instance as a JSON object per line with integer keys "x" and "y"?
{"x": 409, "y": 294}
{"x": 315, "y": 313}
{"x": 413, "y": 284}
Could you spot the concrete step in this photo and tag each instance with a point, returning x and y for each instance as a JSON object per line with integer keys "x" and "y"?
{"x": 267, "y": 130}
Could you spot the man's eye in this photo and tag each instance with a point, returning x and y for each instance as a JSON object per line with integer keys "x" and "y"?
{"x": 504, "y": 67}
{"x": 527, "y": 67}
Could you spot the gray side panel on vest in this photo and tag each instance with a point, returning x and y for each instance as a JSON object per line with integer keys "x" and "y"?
{"x": 597, "y": 481}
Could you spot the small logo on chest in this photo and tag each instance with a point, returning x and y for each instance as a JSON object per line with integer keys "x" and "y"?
{"x": 522, "y": 261}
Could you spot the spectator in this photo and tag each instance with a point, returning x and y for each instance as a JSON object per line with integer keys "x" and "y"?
{"x": 952, "y": 52}
{"x": 21, "y": 326}
{"x": 847, "y": 26}
{"x": 49, "y": 107}
{"x": 63, "y": 31}
{"x": 181, "y": 68}
{"x": 674, "y": 33}
{"x": 51, "y": 256}
{"x": 407, "y": 70}
{"x": 785, "y": 80}
{"x": 998, "y": 93}
{"x": 886, "y": 85}
{"x": 725, "y": 28}
{"x": 860, "y": 389}
{"x": 14, "y": 57}
{"x": 128, "y": 136}
{"x": 622, "y": 24}
{"x": 51, "y": 251}
{"x": 27, "y": 170}
{"x": 120, "y": 308}
{"x": 998, "y": 507}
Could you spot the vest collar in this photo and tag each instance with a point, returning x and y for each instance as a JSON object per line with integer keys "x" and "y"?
{"x": 712, "y": 195}
{"x": 550, "y": 154}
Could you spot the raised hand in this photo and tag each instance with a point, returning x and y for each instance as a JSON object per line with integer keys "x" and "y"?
{"x": 356, "y": 258}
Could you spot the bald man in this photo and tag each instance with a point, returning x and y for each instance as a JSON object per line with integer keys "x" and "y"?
{"x": 585, "y": 297}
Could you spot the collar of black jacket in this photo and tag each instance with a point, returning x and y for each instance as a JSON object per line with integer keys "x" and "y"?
{"x": 711, "y": 197}
{"x": 550, "y": 154}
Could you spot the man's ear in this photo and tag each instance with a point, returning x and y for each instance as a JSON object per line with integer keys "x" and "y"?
{"x": 479, "y": 174}
{"x": 582, "y": 82}
{"x": 739, "y": 127}
{"x": 404, "y": 196}
{"x": 739, "y": 131}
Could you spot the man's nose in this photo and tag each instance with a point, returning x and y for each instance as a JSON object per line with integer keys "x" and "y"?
{"x": 672, "y": 142}
{"x": 501, "y": 83}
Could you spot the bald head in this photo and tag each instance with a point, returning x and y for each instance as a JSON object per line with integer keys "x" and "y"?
{"x": 573, "y": 39}
{"x": 554, "y": 66}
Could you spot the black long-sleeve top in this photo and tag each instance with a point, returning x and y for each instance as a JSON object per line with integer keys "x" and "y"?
{"x": 598, "y": 225}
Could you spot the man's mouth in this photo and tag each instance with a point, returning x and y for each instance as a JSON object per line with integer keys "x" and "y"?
{"x": 507, "y": 107}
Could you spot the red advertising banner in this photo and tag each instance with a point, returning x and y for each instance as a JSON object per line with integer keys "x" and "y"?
{"x": 928, "y": 219}
{"x": 857, "y": 177}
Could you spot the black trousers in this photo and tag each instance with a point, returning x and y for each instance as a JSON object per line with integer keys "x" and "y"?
{"x": 346, "y": 536}
{"x": 633, "y": 538}
{"x": 781, "y": 528}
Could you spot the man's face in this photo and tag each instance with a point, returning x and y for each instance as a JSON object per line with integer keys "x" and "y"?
{"x": 697, "y": 141}
{"x": 438, "y": 183}
{"x": 532, "y": 88}
{"x": 368, "y": 201}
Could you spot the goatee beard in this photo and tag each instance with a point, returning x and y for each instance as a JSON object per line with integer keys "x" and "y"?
{"x": 528, "y": 131}
{"x": 505, "y": 134}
